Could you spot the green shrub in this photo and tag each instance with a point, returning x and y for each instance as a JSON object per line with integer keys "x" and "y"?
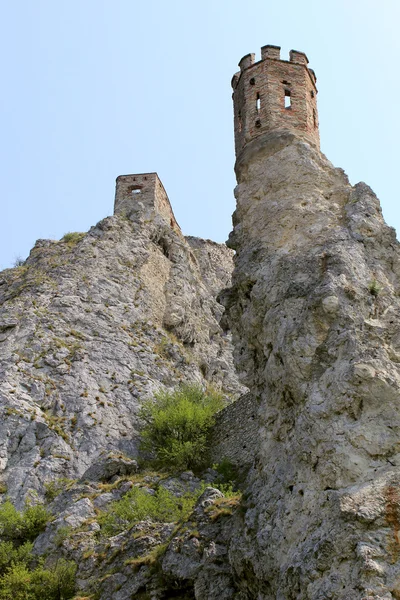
{"x": 16, "y": 584}
{"x": 10, "y": 521}
{"x": 374, "y": 288}
{"x": 55, "y": 584}
{"x": 55, "y": 487}
{"x": 138, "y": 505}
{"x": 72, "y": 237}
{"x": 9, "y": 555}
{"x": 22, "y": 526}
{"x": 19, "y": 583}
{"x": 177, "y": 426}
{"x": 35, "y": 520}
{"x": 227, "y": 470}
{"x": 62, "y": 534}
{"x": 161, "y": 507}
{"x": 228, "y": 490}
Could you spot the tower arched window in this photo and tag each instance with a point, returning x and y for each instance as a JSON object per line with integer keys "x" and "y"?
{"x": 288, "y": 99}
{"x": 258, "y": 102}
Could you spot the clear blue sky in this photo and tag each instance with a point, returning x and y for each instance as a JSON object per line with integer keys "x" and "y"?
{"x": 97, "y": 88}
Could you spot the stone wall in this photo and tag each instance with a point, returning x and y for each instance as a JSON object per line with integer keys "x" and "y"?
{"x": 235, "y": 434}
{"x": 260, "y": 89}
{"x": 163, "y": 205}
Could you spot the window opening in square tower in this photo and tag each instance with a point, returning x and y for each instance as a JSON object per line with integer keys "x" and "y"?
{"x": 136, "y": 189}
{"x": 258, "y": 102}
{"x": 314, "y": 117}
{"x": 288, "y": 101}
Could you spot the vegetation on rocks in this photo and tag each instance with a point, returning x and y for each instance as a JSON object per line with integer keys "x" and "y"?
{"x": 374, "y": 288}
{"x": 72, "y": 237}
{"x": 22, "y": 583}
{"x": 178, "y": 424}
{"x": 89, "y": 329}
{"x": 22, "y": 575}
{"x": 139, "y": 504}
{"x": 176, "y": 434}
{"x": 55, "y": 487}
{"x": 152, "y": 511}
{"x": 22, "y": 526}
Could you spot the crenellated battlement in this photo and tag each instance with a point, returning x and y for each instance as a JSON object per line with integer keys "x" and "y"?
{"x": 274, "y": 94}
{"x": 270, "y": 51}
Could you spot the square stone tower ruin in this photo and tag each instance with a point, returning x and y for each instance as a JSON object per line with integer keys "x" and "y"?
{"x": 143, "y": 194}
{"x": 274, "y": 94}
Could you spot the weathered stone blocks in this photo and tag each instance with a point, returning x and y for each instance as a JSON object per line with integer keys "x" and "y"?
{"x": 274, "y": 94}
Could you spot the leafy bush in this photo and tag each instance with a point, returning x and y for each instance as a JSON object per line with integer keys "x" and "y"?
{"x": 374, "y": 288}
{"x": 22, "y": 526}
{"x": 15, "y": 584}
{"x": 227, "y": 470}
{"x": 18, "y": 580}
{"x": 19, "y": 583}
{"x": 138, "y": 505}
{"x": 35, "y": 519}
{"x": 177, "y": 426}
{"x": 62, "y": 534}
{"x": 9, "y": 555}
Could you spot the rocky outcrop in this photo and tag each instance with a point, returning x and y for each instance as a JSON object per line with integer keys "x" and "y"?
{"x": 197, "y": 555}
{"x": 157, "y": 559}
{"x": 92, "y": 325}
{"x": 314, "y": 309}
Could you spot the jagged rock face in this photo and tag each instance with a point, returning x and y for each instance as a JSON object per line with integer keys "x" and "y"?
{"x": 314, "y": 309}
{"x": 92, "y": 326}
{"x": 192, "y": 556}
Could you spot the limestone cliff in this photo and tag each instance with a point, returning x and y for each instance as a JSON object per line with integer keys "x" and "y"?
{"x": 92, "y": 325}
{"x": 314, "y": 308}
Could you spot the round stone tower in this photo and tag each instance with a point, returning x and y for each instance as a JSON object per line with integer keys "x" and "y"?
{"x": 274, "y": 94}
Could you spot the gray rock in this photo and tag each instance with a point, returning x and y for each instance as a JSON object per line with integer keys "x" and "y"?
{"x": 72, "y": 518}
{"x": 198, "y": 556}
{"x": 7, "y": 324}
{"x": 314, "y": 310}
{"x": 102, "y": 500}
{"x": 91, "y": 328}
{"x": 107, "y": 468}
{"x": 129, "y": 309}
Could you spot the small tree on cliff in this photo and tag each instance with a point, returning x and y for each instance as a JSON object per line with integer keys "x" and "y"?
{"x": 177, "y": 426}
